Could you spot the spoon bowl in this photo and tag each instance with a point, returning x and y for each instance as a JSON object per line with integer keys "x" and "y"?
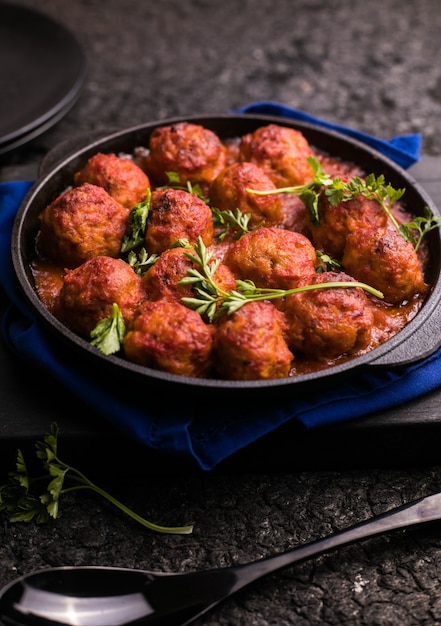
{"x": 112, "y": 596}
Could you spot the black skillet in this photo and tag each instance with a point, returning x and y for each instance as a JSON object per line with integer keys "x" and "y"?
{"x": 419, "y": 339}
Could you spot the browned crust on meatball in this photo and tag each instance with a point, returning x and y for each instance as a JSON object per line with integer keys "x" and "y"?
{"x": 228, "y": 192}
{"x": 250, "y": 344}
{"x": 121, "y": 177}
{"x": 272, "y": 257}
{"x": 80, "y": 224}
{"x": 163, "y": 277}
{"x": 385, "y": 260}
{"x": 177, "y": 214}
{"x": 281, "y": 152}
{"x": 328, "y": 322}
{"x": 170, "y": 337}
{"x": 337, "y": 221}
{"x": 90, "y": 290}
{"x": 194, "y": 153}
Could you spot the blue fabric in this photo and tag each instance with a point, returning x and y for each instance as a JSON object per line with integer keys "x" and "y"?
{"x": 195, "y": 432}
{"x": 404, "y": 149}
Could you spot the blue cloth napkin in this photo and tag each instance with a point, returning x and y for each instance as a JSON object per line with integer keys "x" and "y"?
{"x": 199, "y": 433}
{"x": 403, "y": 149}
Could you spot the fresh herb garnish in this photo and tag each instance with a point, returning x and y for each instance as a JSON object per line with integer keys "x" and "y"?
{"x": 421, "y": 226}
{"x": 326, "y": 263}
{"x": 212, "y": 301}
{"x": 231, "y": 221}
{"x": 142, "y": 261}
{"x": 109, "y": 333}
{"x": 202, "y": 281}
{"x": 337, "y": 190}
{"x": 137, "y": 224}
{"x": 174, "y": 182}
{"x": 23, "y": 505}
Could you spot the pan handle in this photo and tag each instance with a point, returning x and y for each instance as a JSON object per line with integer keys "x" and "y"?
{"x": 420, "y": 343}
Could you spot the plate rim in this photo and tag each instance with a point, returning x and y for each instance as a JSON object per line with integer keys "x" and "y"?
{"x": 62, "y": 103}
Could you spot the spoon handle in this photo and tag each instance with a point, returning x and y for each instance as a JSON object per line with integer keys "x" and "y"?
{"x": 426, "y": 509}
{"x": 195, "y": 593}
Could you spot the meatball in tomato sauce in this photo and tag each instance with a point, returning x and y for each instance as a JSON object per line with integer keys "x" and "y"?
{"x": 385, "y": 260}
{"x": 119, "y": 176}
{"x": 328, "y": 322}
{"x": 193, "y": 153}
{"x": 228, "y": 192}
{"x": 89, "y": 291}
{"x": 171, "y": 338}
{"x": 250, "y": 344}
{"x": 177, "y": 214}
{"x": 162, "y": 279}
{"x": 281, "y": 152}
{"x": 338, "y": 220}
{"x": 272, "y": 257}
{"x": 80, "y": 224}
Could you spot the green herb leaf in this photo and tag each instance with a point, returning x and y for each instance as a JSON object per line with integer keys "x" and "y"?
{"x": 137, "y": 224}
{"x": 337, "y": 190}
{"x": 231, "y": 221}
{"x": 212, "y": 301}
{"x": 142, "y": 261}
{"x": 24, "y": 506}
{"x": 326, "y": 263}
{"x": 108, "y": 334}
{"x": 174, "y": 182}
{"x": 415, "y": 230}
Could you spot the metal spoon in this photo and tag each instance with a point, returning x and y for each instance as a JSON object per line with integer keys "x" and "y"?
{"x": 112, "y": 596}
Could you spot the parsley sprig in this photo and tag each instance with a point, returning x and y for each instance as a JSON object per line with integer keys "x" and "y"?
{"x": 142, "y": 261}
{"x": 137, "y": 224}
{"x": 174, "y": 182}
{"x": 231, "y": 221}
{"x": 415, "y": 230}
{"x": 337, "y": 190}
{"x": 23, "y": 505}
{"x": 212, "y": 301}
{"x": 109, "y": 333}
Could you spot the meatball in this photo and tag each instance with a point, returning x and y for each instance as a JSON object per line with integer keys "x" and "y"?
{"x": 328, "y": 322}
{"x": 90, "y": 290}
{"x": 272, "y": 257}
{"x": 250, "y": 344}
{"x": 385, "y": 260}
{"x": 170, "y": 337}
{"x": 119, "y": 176}
{"x": 194, "y": 153}
{"x": 281, "y": 152}
{"x": 228, "y": 192}
{"x": 162, "y": 279}
{"x": 80, "y": 224}
{"x": 177, "y": 214}
{"x": 336, "y": 222}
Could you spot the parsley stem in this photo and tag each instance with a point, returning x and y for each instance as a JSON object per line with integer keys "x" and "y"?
{"x": 88, "y": 484}
{"x": 236, "y": 299}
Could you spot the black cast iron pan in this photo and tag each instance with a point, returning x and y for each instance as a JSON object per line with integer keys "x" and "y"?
{"x": 420, "y": 338}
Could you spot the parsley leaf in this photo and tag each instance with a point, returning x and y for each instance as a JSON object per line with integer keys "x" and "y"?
{"x": 137, "y": 224}
{"x": 415, "y": 230}
{"x": 142, "y": 261}
{"x": 109, "y": 333}
{"x": 372, "y": 187}
{"x": 229, "y": 220}
{"x": 174, "y": 182}
{"x": 22, "y": 505}
{"x": 212, "y": 301}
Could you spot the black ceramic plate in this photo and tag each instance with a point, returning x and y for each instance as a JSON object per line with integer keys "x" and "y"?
{"x": 42, "y": 70}
{"x": 416, "y": 341}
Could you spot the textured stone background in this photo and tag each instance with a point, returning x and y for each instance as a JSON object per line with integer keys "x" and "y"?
{"x": 372, "y": 65}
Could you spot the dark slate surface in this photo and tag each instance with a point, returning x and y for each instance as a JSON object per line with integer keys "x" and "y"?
{"x": 373, "y": 65}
